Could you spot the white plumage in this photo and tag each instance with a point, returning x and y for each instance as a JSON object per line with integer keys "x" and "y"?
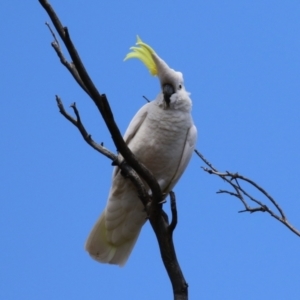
{"x": 162, "y": 136}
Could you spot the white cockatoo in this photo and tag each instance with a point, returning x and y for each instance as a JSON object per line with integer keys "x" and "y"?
{"x": 162, "y": 136}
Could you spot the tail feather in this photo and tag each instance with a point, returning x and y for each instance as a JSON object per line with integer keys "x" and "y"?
{"x": 102, "y": 250}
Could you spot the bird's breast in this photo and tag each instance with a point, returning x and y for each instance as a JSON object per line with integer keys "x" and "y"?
{"x": 160, "y": 141}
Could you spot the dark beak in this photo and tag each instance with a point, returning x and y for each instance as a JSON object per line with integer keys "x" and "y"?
{"x": 168, "y": 91}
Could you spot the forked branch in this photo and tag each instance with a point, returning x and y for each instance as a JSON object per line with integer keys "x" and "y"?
{"x": 131, "y": 167}
{"x": 234, "y": 179}
{"x": 102, "y": 104}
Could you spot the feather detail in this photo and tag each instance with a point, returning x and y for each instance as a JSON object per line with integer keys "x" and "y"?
{"x": 102, "y": 250}
{"x": 145, "y": 53}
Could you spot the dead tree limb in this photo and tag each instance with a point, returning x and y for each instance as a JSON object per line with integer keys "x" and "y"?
{"x": 69, "y": 65}
{"x": 134, "y": 169}
{"x": 234, "y": 179}
{"x": 102, "y": 104}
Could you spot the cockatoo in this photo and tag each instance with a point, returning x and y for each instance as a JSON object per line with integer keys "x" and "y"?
{"x": 162, "y": 136}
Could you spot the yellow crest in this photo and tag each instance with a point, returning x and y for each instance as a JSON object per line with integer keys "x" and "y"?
{"x": 144, "y": 53}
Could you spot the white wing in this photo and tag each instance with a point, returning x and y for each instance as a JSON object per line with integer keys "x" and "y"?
{"x": 116, "y": 231}
{"x": 135, "y": 123}
{"x": 187, "y": 152}
{"x": 133, "y": 128}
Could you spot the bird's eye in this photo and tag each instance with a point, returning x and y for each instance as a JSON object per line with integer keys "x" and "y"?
{"x": 180, "y": 86}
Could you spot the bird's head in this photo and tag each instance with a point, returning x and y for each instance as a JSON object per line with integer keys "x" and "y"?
{"x": 171, "y": 81}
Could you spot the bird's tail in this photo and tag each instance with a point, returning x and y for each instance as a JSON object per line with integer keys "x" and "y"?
{"x": 102, "y": 250}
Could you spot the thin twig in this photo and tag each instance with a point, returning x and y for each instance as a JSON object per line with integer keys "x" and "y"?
{"x": 205, "y": 160}
{"x": 69, "y": 65}
{"x": 233, "y": 180}
{"x": 87, "y": 137}
{"x": 53, "y": 34}
{"x": 173, "y": 223}
{"x": 264, "y": 192}
{"x": 126, "y": 169}
{"x": 146, "y": 99}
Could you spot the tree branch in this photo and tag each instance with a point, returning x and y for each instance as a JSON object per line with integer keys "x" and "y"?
{"x": 103, "y": 106}
{"x": 127, "y": 171}
{"x": 87, "y": 137}
{"x": 70, "y": 66}
{"x": 130, "y": 166}
{"x": 173, "y": 223}
{"x": 242, "y": 195}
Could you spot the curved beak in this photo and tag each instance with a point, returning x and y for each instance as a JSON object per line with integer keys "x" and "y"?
{"x": 168, "y": 91}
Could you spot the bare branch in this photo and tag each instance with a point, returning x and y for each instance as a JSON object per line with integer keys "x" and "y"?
{"x": 205, "y": 160}
{"x": 146, "y": 99}
{"x": 263, "y": 192}
{"x": 103, "y": 106}
{"x": 69, "y": 65}
{"x": 168, "y": 254}
{"x": 173, "y": 223}
{"x": 126, "y": 169}
{"x": 228, "y": 192}
{"x": 55, "y": 20}
{"x": 130, "y": 165}
{"x": 233, "y": 180}
{"x": 87, "y": 137}
{"x": 53, "y": 34}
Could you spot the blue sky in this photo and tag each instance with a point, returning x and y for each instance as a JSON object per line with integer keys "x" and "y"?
{"x": 241, "y": 62}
